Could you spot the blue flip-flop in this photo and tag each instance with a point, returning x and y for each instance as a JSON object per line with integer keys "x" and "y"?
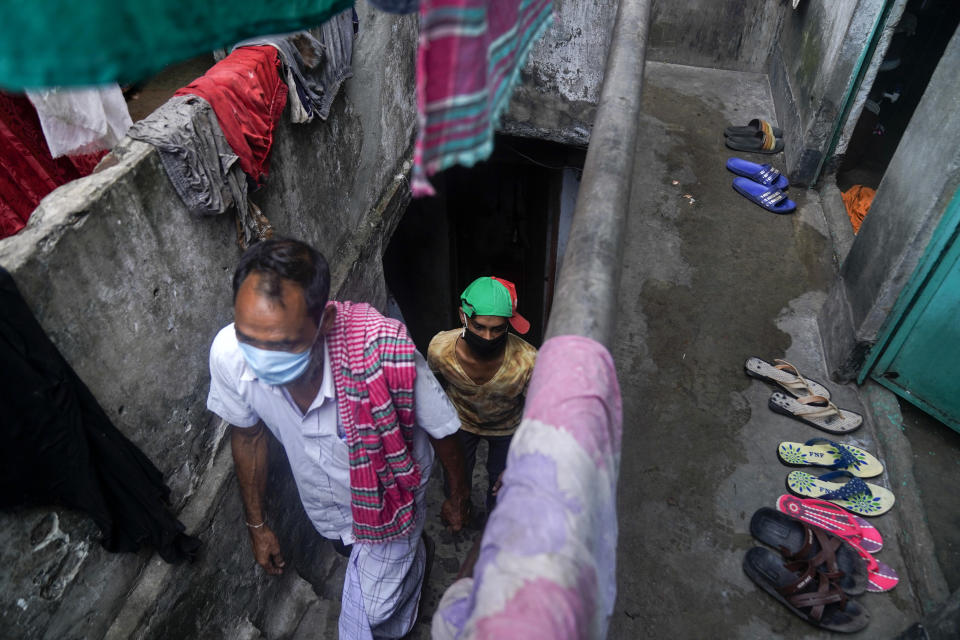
{"x": 770, "y": 198}
{"x": 763, "y": 174}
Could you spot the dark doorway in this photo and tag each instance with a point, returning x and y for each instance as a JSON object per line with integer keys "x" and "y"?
{"x": 506, "y": 217}
{"x": 918, "y": 43}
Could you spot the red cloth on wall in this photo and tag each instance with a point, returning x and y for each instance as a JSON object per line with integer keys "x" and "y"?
{"x": 27, "y": 170}
{"x": 248, "y": 96}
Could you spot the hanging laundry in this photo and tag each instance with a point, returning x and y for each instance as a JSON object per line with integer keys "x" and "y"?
{"x": 60, "y": 446}
{"x": 201, "y": 166}
{"x": 248, "y": 96}
{"x": 301, "y": 53}
{"x": 314, "y": 69}
{"x": 857, "y": 199}
{"x": 468, "y": 61}
{"x": 81, "y": 121}
{"x": 27, "y": 170}
{"x": 47, "y": 43}
{"x": 337, "y": 36}
{"x": 395, "y": 6}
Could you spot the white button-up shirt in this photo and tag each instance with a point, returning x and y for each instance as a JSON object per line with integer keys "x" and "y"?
{"x": 314, "y": 441}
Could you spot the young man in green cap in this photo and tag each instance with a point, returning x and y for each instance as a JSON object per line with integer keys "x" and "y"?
{"x": 485, "y": 371}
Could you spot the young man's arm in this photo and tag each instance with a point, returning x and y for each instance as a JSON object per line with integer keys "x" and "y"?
{"x": 455, "y": 510}
{"x": 249, "y": 447}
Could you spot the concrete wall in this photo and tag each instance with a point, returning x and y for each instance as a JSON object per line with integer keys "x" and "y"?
{"x": 132, "y": 289}
{"x": 561, "y": 82}
{"x": 558, "y": 97}
{"x": 811, "y": 67}
{"x": 718, "y": 34}
{"x": 921, "y": 179}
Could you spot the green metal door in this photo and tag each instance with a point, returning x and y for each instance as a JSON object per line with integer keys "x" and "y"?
{"x": 919, "y": 354}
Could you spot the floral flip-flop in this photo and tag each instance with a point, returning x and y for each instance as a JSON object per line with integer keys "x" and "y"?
{"x": 821, "y": 452}
{"x": 855, "y": 495}
{"x": 838, "y": 520}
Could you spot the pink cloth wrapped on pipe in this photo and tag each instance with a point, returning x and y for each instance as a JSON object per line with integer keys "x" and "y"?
{"x": 547, "y": 565}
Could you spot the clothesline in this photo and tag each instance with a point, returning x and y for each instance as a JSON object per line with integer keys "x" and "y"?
{"x": 469, "y": 59}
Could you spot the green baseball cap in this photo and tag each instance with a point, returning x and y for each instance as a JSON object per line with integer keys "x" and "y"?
{"x": 492, "y": 296}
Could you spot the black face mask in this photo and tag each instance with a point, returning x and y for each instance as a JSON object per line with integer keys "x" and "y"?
{"x": 483, "y": 347}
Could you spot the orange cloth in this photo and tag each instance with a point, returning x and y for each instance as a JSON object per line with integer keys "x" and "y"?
{"x": 858, "y": 199}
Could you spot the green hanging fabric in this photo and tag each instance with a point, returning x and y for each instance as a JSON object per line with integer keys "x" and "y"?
{"x": 46, "y": 43}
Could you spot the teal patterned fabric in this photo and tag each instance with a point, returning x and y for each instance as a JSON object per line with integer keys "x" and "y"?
{"x": 68, "y": 43}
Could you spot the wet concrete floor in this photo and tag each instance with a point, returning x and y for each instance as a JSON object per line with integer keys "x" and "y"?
{"x": 710, "y": 279}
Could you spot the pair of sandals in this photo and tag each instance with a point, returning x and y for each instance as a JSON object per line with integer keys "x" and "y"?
{"x": 844, "y": 485}
{"x": 757, "y": 136}
{"x": 809, "y": 402}
{"x": 862, "y": 536}
{"x": 814, "y": 574}
{"x": 804, "y": 399}
{"x": 762, "y": 185}
{"x": 759, "y": 183}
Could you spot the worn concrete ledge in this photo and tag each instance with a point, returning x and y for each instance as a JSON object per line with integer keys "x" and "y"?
{"x": 942, "y": 624}
{"x": 838, "y": 222}
{"x": 585, "y": 299}
{"x": 913, "y": 533}
{"x": 560, "y": 89}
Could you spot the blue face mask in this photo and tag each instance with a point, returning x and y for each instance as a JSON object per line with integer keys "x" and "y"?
{"x": 275, "y": 367}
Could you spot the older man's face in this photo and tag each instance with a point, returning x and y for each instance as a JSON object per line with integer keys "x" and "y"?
{"x": 264, "y": 323}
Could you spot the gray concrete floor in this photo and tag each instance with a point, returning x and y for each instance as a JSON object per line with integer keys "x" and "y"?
{"x": 708, "y": 280}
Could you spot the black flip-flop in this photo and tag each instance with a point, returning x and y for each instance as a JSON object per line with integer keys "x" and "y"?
{"x": 759, "y": 142}
{"x": 799, "y": 541}
{"x": 752, "y": 127}
{"x": 804, "y": 591}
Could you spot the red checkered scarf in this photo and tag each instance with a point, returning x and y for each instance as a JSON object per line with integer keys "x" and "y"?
{"x": 371, "y": 358}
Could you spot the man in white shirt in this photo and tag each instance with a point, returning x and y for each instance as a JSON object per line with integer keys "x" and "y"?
{"x": 272, "y": 368}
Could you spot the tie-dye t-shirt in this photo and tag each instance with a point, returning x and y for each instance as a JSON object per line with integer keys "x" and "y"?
{"x": 495, "y": 407}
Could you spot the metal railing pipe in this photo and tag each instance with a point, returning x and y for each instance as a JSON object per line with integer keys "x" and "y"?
{"x": 585, "y": 300}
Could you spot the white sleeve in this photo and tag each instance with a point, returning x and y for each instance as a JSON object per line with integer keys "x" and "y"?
{"x": 224, "y": 398}
{"x": 435, "y": 413}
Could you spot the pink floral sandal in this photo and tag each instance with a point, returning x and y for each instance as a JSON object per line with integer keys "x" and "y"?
{"x": 834, "y": 519}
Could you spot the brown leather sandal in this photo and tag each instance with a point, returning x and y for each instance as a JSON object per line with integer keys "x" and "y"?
{"x": 799, "y": 541}
{"x": 805, "y": 591}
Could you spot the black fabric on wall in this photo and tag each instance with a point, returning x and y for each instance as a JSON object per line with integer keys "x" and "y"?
{"x": 58, "y": 445}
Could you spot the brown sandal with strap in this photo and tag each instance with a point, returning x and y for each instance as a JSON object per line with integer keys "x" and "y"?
{"x": 805, "y": 591}
{"x": 798, "y": 541}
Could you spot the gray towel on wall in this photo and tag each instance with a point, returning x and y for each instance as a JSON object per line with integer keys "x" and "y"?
{"x": 196, "y": 157}
{"x": 316, "y": 63}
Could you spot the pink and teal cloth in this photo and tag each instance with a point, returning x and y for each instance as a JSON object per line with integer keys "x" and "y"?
{"x": 547, "y": 564}
{"x": 371, "y": 358}
{"x": 468, "y": 62}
